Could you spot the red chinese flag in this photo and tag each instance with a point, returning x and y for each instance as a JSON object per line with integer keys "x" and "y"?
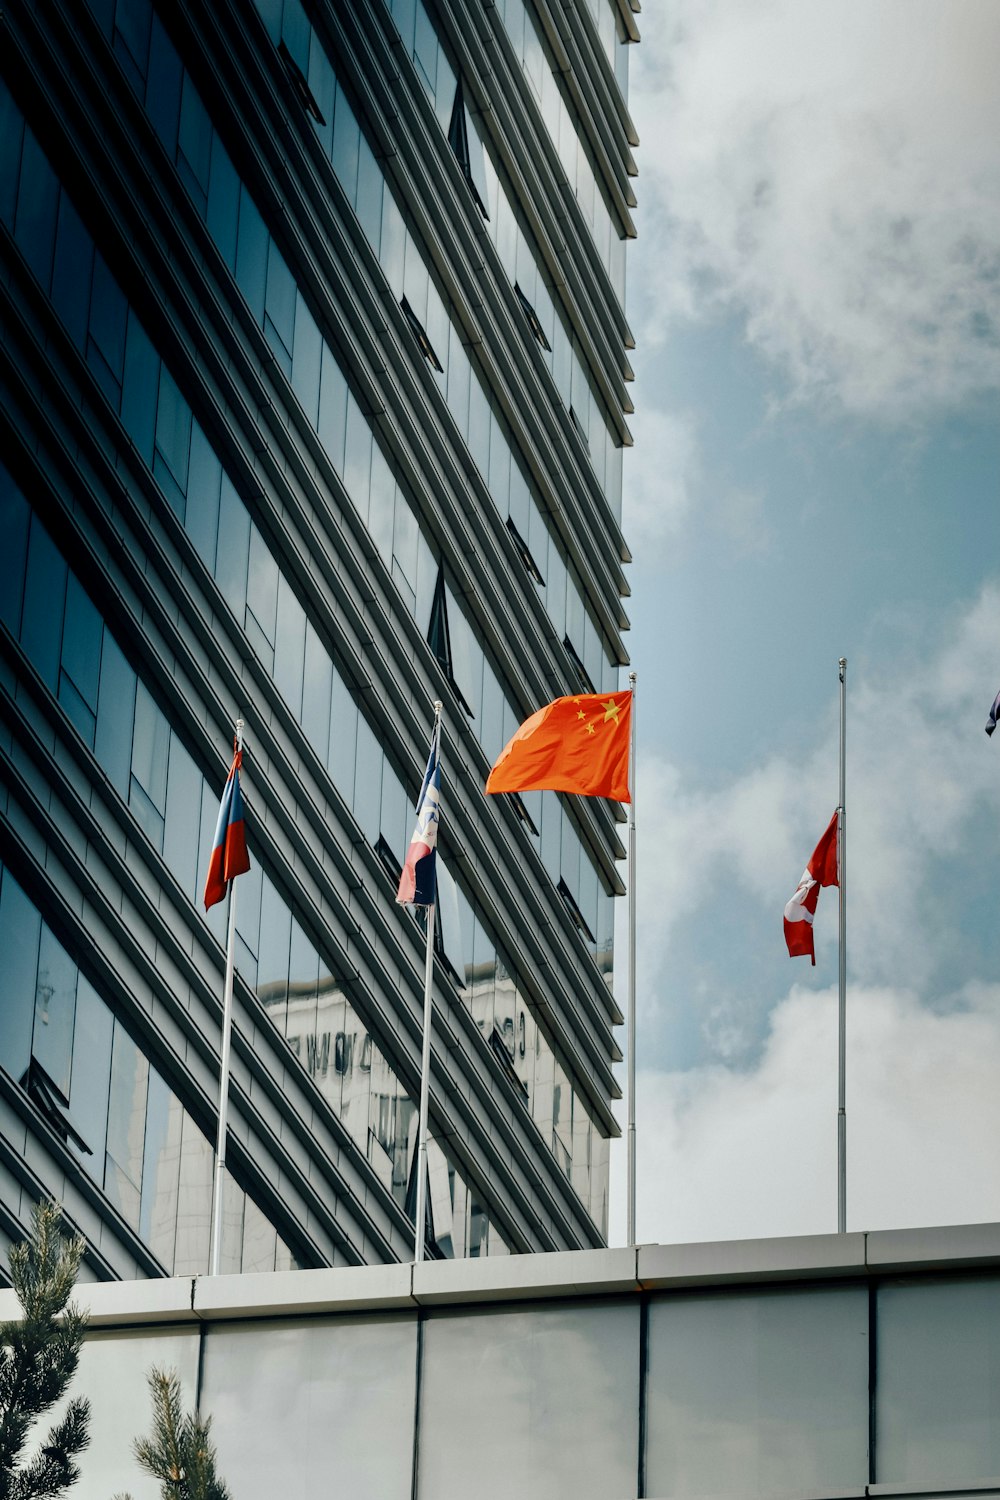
{"x": 800, "y": 911}
{"x": 576, "y": 745}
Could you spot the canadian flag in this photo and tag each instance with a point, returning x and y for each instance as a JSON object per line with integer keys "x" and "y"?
{"x": 799, "y": 913}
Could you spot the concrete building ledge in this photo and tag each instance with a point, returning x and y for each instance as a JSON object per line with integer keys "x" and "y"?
{"x": 806, "y": 1256}
{"x": 962, "y": 1246}
{"x": 612, "y": 1272}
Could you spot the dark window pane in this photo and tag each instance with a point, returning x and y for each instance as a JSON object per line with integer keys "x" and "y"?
{"x": 14, "y": 519}
{"x": 223, "y": 202}
{"x": 368, "y": 781}
{"x": 11, "y": 134}
{"x": 139, "y": 389}
{"x": 343, "y": 739}
{"x": 71, "y": 273}
{"x": 37, "y": 202}
{"x": 83, "y": 632}
{"x": 272, "y": 956}
{"x": 55, "y": 1010}
{"x": 19, "y": 931}
{"x": 306, "y": 357}
{"x": 295, "y": 35}
{"x": 251, "y": 255}
{"x": 91, "y": 1077}
{"x": 182, "y": 819}
{"x": 132, "y": 26}
{"x": 346, "y": 142}
{"x": 161, "y": 1169}
{"x": 279, "y": 302}
{"x": 333, "y": 409}
{"x": 108, "y": 310}
{"x": 150, "y": 745}
{"x": 262, "y": 585}
{"x": 316, "y": 694}
{"x": 204, "y": 483}
{"x": 194, "y": 137}
{"x": 369, "y": 197}
{"x": 194, "y": 1201}
{"x": 126, "y": 1124}
{"x": 381, "y": 505}
{"x": 358, "y": 457}
{"x": 44, "y": 598}
{"x": 163, "y": 87}
{"x": 289, "y": 647}
{"x": 234, "y": 547}
{"x": 79, "y": 714}
{"x": 173, "y": 428}
{"x": 115, "y": 715}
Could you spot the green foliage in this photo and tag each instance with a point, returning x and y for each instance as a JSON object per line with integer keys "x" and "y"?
{"x": 38, "y": 1359}
{"x": 178, "y": 1453}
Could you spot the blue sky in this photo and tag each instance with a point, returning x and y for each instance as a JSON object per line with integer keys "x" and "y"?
{"x": 816, "y": 288}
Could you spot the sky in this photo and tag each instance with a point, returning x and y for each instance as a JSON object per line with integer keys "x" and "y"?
{"x": 816, "y": 474}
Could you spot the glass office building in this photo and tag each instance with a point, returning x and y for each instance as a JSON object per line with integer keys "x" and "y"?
{"x": 313, "y": 395}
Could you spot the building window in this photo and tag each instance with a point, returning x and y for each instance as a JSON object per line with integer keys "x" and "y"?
{"x": 303, "y": 92}
{"x": 467, "y": 148}
{"x": 579, "y": 427}
{"x": 533, "y": 320}
{"x": 420, "y": 334}
{"x": 388, "y": 860}
{"x": 524, "y": 553}
{"x": 577, "y": 661}
{"x": 574, "y": 910}
{"x": 439, "y": 638}
{"x": 501, "y": 1051}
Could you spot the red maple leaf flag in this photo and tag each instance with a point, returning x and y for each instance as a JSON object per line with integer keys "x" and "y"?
{"x": 821, "y": 870}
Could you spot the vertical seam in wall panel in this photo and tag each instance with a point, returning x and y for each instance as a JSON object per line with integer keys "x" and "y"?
{"x": 199, "y": 1378}
{"x": 872, "y": 1373}
{"x": 643, "y": 1372}
{"x": 416, "y": 1402}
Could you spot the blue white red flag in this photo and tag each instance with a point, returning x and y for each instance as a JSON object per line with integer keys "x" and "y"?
{"x": 991, "y": 722}
{"x": 418, "y": 882}
{"x": 229, "y": 853}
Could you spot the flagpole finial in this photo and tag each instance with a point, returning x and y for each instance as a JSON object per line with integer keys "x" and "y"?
{"x": 842, "y": 664}
{"x": 438, "y": 706}
{"x": 240, "y": 726}
{"x": 631, "y": 678}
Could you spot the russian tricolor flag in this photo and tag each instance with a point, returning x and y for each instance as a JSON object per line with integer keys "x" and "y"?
{"x": 229, "y": 853}
{"x": 418, "y": 882}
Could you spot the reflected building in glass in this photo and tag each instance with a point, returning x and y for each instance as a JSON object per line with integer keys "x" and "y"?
{"x": 314, "y": 395}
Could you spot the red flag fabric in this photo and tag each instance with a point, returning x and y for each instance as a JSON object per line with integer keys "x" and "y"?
{"x": 576, "y": 744}
{"x": 821, "y": 870}
{"x": 229, "y": 852}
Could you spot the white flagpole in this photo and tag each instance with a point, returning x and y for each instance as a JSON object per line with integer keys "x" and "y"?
{"x": 215, "y": 1258}
{"x": 842, "y": 965}
{"x": 425, "y": 1056}
{"x": 631, "y": 974}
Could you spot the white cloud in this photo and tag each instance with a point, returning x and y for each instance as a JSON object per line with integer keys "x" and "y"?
{"x": 662, "y": 471}
{"x": 724, "y": 1154}
{"x": 831, "y": 173}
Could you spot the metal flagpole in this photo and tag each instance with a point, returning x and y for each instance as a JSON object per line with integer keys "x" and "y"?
{"x": 215, "y": 1257}
{"x": 425, "y": 1056}
{"x": 842, "y": 965}
{"x": 631, "y": 974}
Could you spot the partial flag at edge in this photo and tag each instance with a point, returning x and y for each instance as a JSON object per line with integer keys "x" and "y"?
{"x": 800, "y": 911}
{"x": 229, "y": 852}
{"x": 418, "y": 882}
{"x": 991, "y": 722}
